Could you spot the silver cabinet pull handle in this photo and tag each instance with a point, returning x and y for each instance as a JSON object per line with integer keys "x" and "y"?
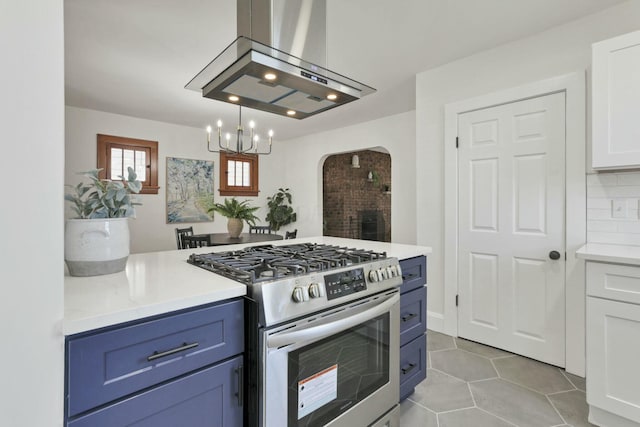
{"x": 239, "y": 394}
{"x": 183, "y": 347}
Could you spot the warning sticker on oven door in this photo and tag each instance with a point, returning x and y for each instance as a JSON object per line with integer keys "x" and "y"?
{"x": 317, "y": 390}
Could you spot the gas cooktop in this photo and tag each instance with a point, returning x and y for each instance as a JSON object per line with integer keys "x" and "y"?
{"x": 265, "y": 263}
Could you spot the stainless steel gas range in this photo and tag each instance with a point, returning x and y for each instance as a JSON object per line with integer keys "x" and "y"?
{"x": 322, "y": 333}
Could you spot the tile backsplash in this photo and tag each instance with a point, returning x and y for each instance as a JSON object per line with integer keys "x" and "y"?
{"x": 613, "y": 201}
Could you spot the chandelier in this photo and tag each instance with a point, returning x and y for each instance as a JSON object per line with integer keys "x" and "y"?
{"x": 255, "y": 145}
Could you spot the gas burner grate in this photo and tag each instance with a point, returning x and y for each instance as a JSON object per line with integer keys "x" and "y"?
{"x": 264, "y": 263}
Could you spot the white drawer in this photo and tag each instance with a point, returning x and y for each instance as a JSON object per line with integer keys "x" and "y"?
{"x": 613, "y": 281}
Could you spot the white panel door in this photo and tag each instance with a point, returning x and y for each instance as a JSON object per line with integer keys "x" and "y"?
{"x": 511, "y": 217}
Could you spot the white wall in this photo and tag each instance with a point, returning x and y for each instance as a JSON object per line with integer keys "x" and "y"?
{"x": 558, "y": 51}
{"x": 31, "y": 170}
{"x": 149, "y": 230}
{"x": 305, "y": 156}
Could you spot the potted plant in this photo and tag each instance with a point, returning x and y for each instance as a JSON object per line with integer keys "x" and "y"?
{"x": 97, "y": 241}
{"x": 374, "y": 177}
{"x": 236, "y": 212}
{"x": 280, "y": 211}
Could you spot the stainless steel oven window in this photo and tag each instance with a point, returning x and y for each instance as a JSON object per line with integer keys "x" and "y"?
{"x": 331, "y": 376}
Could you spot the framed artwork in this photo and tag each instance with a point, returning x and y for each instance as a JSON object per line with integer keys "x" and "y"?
{"x": 189, "y": 190}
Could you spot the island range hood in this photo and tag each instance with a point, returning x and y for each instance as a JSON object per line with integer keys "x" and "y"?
{"x": 277, "y": 63}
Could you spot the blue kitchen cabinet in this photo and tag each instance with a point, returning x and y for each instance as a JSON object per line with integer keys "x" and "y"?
{"x": 413, "y": 314}
{"x": 413, "y": 365}
{"x": 413, "y": 324}
{"x": 182, "y": 368}
{"x": 210, "y": 398}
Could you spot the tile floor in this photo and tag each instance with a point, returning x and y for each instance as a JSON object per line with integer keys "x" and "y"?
{"x": 472, "y": 385}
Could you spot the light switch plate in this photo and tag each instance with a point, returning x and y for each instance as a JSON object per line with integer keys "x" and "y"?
{"x": 619, "y": 208}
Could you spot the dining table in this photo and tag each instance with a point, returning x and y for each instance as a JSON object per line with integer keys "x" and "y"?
{"x": 219, "y": 239}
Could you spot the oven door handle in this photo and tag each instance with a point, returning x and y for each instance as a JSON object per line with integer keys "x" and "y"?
{"x": 322, "y": 331}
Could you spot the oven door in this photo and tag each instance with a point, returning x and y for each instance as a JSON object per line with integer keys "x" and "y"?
{"x": 337, "y": 368}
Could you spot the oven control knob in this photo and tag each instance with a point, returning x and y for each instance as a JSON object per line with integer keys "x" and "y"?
{"x": 373, "y": 276}
{"x": 315, "y": 290}
{"x": 383, "y": 273}
{"x": 300, "y": 294}
{"x": 391, "y": 272}
{"x": 394, "y": 271}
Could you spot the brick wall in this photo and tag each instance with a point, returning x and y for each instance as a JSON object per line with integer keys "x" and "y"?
{"x": 347, "y": 193}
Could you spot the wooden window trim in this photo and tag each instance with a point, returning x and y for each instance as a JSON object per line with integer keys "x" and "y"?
{"x": 104, "y": 148}
{"x": 228, "y": 190}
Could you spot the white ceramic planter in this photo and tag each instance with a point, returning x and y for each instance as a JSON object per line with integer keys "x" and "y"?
{"x": 93, "y": 247}
{"x": 234, "y": 227}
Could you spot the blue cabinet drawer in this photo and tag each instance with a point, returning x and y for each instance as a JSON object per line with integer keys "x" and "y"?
{"x": 413, "y": 314}
{"x": 414, "y": 273}
{"x": 115, "y": 363}
{"x": 413, "y": 365}
{"x": 206, "y": 398}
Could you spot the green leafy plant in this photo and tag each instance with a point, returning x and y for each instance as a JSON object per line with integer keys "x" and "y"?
{"x": 103, "y": 198}
{"x": 280, "y": 211}
{"x": 375, "y": 178}
{"x": 232, "y": 208}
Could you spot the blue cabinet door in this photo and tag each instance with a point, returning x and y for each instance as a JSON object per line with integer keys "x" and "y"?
{"x": 413, "y": 365}
{"x": 110, "y": 364}
{"x": 207, "y": 398}
{"x": 413, "y": 314}
{"x": 414, "y": 273}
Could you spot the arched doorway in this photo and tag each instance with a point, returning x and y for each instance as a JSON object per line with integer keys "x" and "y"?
{"x": 356, "y": 193}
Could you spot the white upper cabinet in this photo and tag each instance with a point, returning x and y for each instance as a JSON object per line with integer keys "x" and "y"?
{"x": 616, "y": 102}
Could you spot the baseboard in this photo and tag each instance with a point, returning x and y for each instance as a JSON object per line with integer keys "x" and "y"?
{"x": 604, "y": 418}
{"x": 435, "y": 321}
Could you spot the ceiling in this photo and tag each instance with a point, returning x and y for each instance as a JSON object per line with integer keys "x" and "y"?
{"x": 133, "y": 57}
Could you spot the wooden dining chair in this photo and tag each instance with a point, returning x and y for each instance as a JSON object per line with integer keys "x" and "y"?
{"x": 180, "y": 233}
{"x": 291, "y": 234}
{"x": 197, "y": 241}
{"x": 259, "y": 229}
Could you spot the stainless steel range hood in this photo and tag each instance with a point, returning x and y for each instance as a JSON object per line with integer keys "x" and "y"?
{"x": 263, "y": 69}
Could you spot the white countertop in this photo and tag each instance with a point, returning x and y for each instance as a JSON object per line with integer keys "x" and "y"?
{"x": 153, "y": 283}
{"x": 619, "y": 254}
{"x": 160, "y": 282}
{"x": 396, "y": 250}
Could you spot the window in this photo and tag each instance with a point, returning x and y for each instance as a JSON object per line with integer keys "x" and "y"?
{"x": 116, "y": 154}
{"x": 238, "y": 175}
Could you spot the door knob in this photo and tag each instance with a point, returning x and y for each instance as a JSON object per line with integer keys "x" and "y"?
{"x": 554, "y": 255}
